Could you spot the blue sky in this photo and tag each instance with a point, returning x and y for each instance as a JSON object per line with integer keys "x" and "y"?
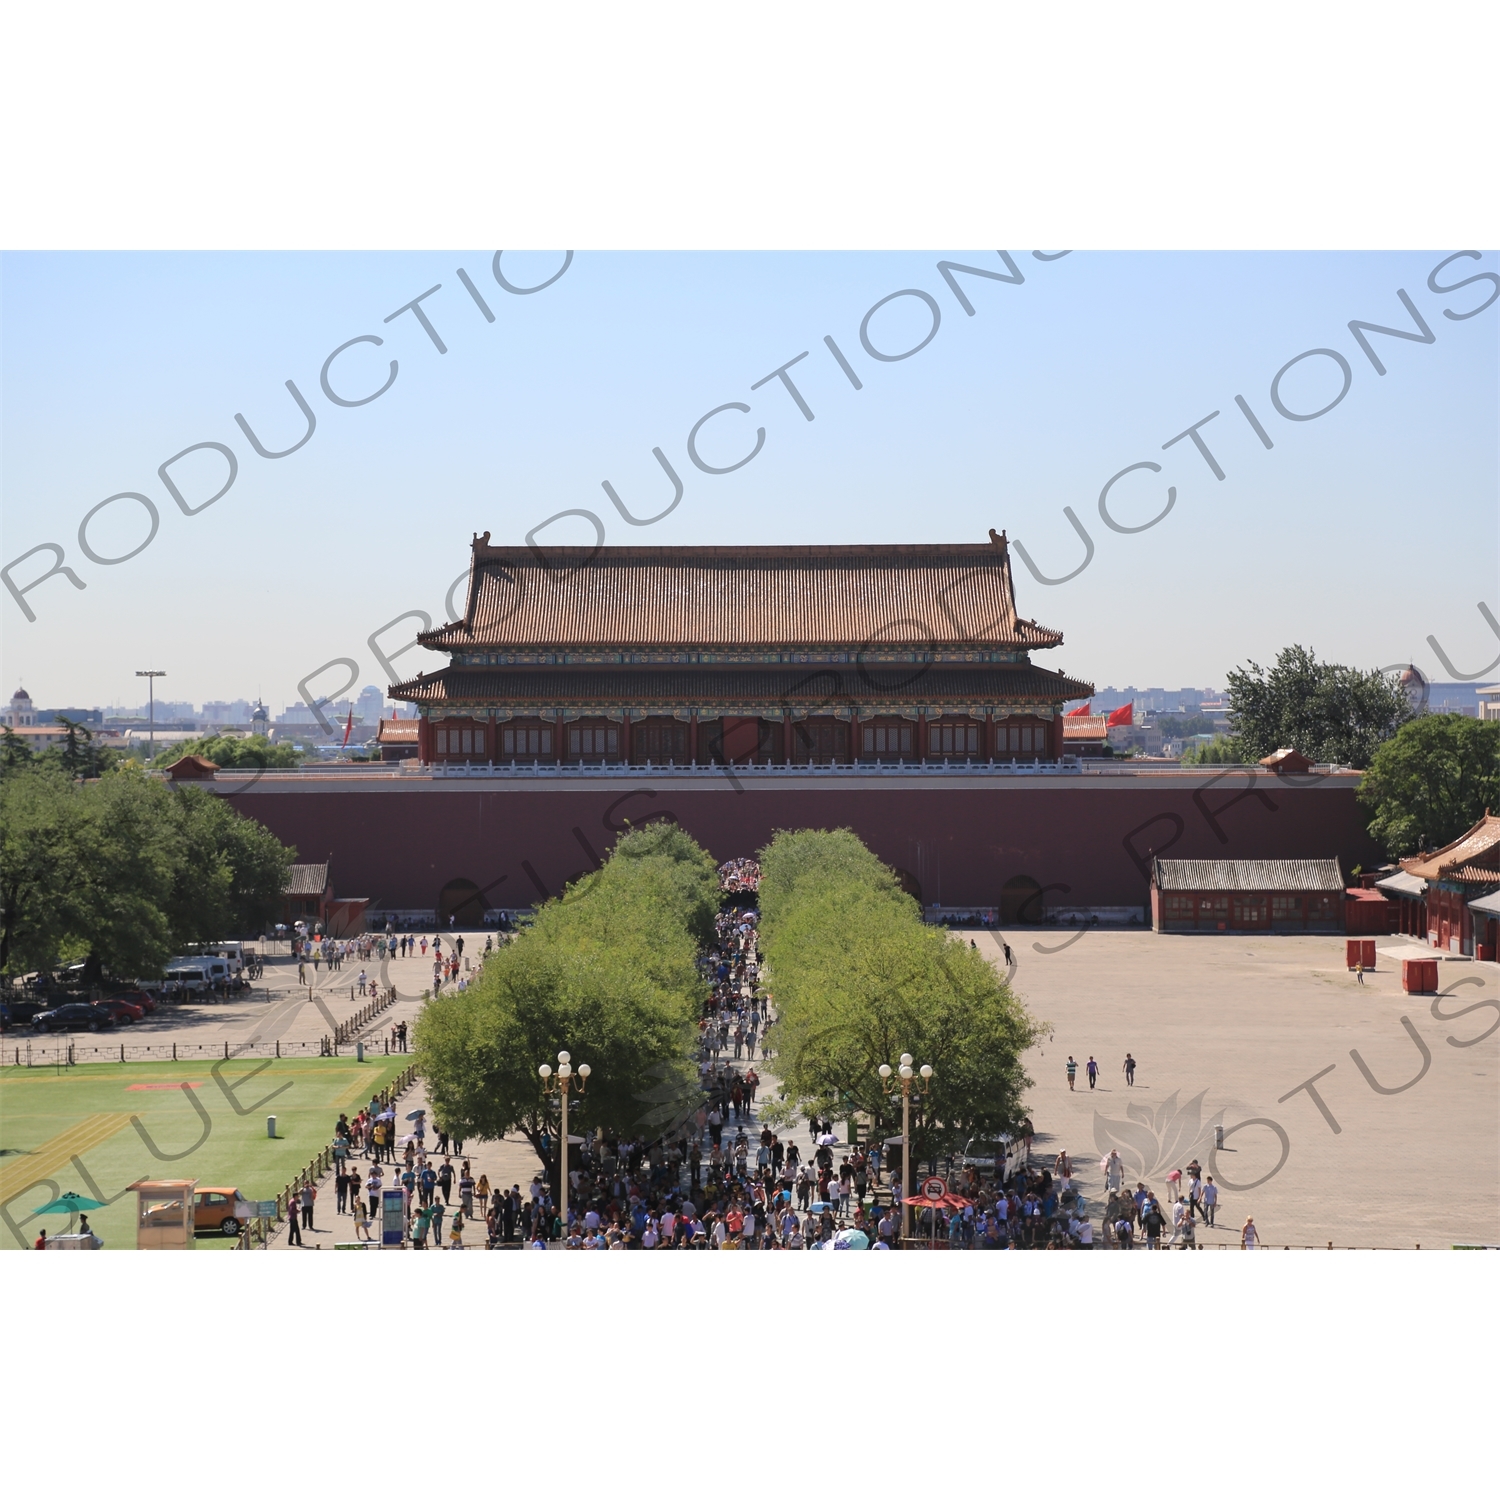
{"x": 1359, "y": 533}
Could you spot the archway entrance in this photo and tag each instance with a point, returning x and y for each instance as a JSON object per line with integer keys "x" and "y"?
{"x": 461, "y": 900}
{"x": 909, "y": 883}
{"x": 1021, "y": 901}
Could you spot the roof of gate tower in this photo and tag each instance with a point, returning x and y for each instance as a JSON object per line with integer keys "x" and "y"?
{"x": 925, "y": 596}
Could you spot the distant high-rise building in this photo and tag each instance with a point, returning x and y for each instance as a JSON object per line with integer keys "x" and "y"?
{"x": 220, "y": 712}
{"x": 369, "y": 706}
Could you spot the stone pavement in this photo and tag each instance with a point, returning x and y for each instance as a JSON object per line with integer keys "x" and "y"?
{"x": 1229, "y": 1029}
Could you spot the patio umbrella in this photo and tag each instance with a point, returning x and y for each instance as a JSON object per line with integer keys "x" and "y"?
{"x": 70, "y": 1203}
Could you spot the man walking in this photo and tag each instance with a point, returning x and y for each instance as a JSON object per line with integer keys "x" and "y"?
{"x": 1093, "y": 1072}
{"x": 309, "y": 1194}
{"x": 1129, "y": 1071}
{"x": 1072, "y": 1073}
{"x": 1114, "y": 1172}
{"x": 1210, "y": 1201}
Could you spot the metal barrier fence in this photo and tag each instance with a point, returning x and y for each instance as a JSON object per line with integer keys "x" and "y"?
{"x": 70, "y": 1054}
{"x": 362, "y": 1017}
{"x": 257, "y": 1233}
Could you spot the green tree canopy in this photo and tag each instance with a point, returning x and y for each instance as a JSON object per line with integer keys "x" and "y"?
{"x": 124, "y": 871}
{"x": 1433, "y": 781}
{"x": 233, "y": 753}
{"x": 859, "y": 979}
{"x": 1221, "y": 750}
{"x": 1328, "y": 712}
{"x": 607, "y": 972}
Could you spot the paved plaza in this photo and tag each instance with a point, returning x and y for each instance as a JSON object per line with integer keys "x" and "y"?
{"x": 1226, "y": 1029}
{"x": 1352, "y": 1113}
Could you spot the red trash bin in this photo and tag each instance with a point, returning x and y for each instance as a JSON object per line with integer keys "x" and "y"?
{"x": 1430, "y": 976}
{"x": 1351, "y": 953}
{"x": 1367, "y": 953}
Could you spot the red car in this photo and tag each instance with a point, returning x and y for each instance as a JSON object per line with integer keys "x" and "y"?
{"x": 120, "y": 1010}
{"x": 143, "y": 998}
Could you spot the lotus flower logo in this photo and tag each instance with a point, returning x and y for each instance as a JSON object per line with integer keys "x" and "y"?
{"x": 1153, "y": 1140}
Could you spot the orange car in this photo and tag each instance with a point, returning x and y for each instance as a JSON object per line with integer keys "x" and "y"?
{"x": 213, "y": 1211}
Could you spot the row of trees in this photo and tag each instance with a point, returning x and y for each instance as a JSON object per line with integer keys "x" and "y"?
{"x": 608, "y": 972}
{"x": 122, "y": 872}
{"x": 80, "y": 754}
{"x": 253, "y": 751}
{"x": 859, "y": 979}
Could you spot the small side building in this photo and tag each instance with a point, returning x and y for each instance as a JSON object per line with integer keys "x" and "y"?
{"x": 398, "y": 738}
{"x": 1247, "y": 895}
{"x": 1458, "y": 876}
{"x": 308, "y": 895}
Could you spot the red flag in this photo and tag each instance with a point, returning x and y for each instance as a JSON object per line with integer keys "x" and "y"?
{"x": 1125, "y": 715}
{"x": 348, "y": 729}
{"x": 1074, "y": 713}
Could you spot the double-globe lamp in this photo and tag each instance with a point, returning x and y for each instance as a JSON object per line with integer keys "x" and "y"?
{"x": 561, "y": 1085}
{"x": 905, "y": 1074}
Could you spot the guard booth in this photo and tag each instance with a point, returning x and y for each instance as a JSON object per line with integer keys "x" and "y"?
{"x": 164, "y": 1213}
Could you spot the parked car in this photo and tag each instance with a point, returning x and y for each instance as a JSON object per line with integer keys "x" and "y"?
{"x": 144, "y": 998}
{"x": 213, "y": 1212}
{"x": 18, "y": 1010}
{"x": 121, "y": 1009}
{"x": 77, "y": 1016}
{"x": 984, "y": 1153}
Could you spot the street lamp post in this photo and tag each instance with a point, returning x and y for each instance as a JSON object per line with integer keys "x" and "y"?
{"x": 151, "y": 696}
{"x": 559, "y": 1084}
{"x": 905, "y": 1073}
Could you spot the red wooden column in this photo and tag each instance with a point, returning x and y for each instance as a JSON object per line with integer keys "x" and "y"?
{"x": 989, "y": 734}
{"x": 693, "y": 738}
{"x": 625, "y": 745}
{"x": 1055, "y": 735}
{"x": 787, "y": 740}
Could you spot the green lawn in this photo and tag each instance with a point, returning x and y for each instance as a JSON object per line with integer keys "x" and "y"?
{"x": 47, "y": 1118}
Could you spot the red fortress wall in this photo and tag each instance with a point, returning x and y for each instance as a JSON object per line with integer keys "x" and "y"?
{"x": 1086, "y": 839}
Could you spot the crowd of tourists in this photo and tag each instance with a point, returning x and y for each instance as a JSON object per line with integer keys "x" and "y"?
{"x": 710, "y": 1176}
{"x": 739, "y": 876}
{"x": 447, "y": 957}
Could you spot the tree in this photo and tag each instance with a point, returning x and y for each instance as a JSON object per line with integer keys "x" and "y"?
{"x": 1433, "y": 781}
{"x": 1328, "y": 712}
{"x": 1222, "y": 750}
{"x": 254, "y": 752}
{"x": 78, "y": 755}
{"x": 608, "y": 972}
{"x": 230, "y": 872}
{"x": 15, "y": 753}
{"x": 859, "y": 979}
{"x": 124, "y": 871}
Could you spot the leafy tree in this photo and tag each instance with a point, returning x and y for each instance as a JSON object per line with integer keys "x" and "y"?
{"x": 15, "y": 753}
{"x": 123, "y": 871}
{"x": 79, "y": 755}
{"x": 231, "y": 753}
{"x": 1328, "y": 712}
{"x": 1432, "y": 781}
{"x": 607, "y": 972}
{"x": 230, "y": 871}
{"x": 1222, "y": 750}
{"x": 860, "y": 979}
